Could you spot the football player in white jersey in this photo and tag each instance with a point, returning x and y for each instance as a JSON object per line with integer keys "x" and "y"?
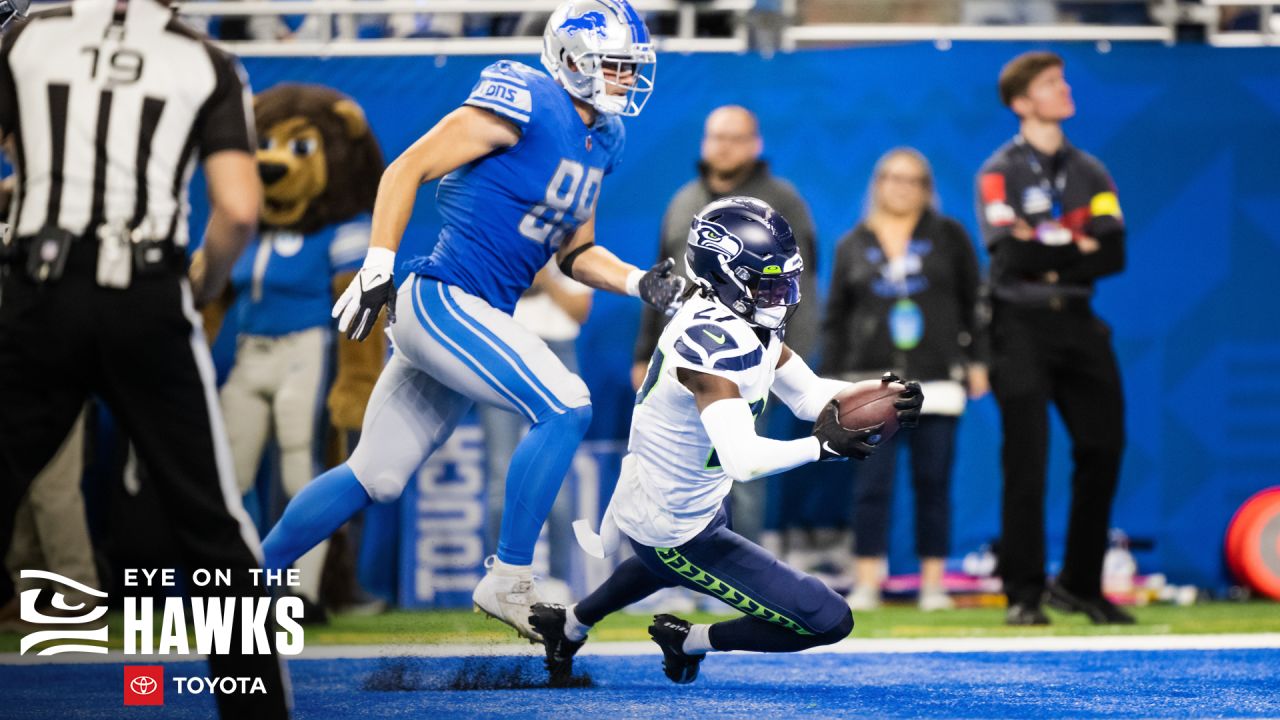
{"x": 693, "y": 435}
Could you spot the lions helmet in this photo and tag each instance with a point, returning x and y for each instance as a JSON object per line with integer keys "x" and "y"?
{"x": 584, "y": 38}
{"x": 742, "y": 252}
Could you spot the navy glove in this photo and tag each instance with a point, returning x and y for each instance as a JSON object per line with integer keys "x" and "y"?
{"x": 908, "y": 402}
{"x": 838, "y": 442}
{"x": 661, "y": 289}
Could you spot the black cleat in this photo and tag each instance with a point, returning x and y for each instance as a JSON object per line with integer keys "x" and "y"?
{"x": 670, "y": 632}
{"x": 1023, "y": 613}
{"x": 549, "y": 620}
{"x": 1100, "y": 610}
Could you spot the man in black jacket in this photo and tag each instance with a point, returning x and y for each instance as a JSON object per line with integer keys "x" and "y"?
{"x": 1052, "y": 223}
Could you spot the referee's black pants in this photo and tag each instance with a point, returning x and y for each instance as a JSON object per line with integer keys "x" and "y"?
{"x": 1042, "y": 355}
{"x": 143, "y": 352}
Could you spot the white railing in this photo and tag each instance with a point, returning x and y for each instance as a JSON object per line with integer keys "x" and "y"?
{"x": 324, "y": 15}
{"x": 327, "y": 44}
{"x": 810, "y": 35}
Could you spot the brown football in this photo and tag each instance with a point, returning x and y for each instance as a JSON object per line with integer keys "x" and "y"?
{"x": 868, "y": 403}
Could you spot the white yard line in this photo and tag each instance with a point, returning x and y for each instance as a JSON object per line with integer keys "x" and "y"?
{"x": 1085, "y": 643}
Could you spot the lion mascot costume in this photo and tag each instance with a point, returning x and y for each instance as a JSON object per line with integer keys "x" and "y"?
{"x": 320, "y": 166}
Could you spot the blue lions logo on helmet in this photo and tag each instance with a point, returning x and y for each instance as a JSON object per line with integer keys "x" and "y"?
{"x": 592, "y": 22}
{"x": 716, "y": 238}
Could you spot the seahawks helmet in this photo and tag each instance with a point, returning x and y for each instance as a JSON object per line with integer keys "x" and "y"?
{"x": 742, "y": 252}
{"x": 10, "y": 9}
{"x": 584, "y": 38}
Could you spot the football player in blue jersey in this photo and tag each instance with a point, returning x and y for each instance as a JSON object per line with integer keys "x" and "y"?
{"x": 522, "y": 163}
{"x": 693, "y": 436}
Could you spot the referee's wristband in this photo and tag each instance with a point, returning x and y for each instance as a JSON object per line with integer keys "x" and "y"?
{"x": 633, "y": 282}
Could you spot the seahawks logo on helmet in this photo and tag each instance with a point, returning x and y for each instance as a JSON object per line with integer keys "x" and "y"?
{"x": 714, "y": 237}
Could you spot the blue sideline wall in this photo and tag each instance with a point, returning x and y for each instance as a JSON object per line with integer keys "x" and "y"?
{"x": 1189, "y": 134}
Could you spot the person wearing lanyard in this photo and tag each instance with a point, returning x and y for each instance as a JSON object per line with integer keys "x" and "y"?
{"x": 903, "y": 298}
{"x": 1051, "y": 221}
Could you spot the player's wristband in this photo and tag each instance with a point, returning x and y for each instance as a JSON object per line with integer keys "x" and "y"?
{"x": 633, "y": 282}
{"x": 380, "y": 260}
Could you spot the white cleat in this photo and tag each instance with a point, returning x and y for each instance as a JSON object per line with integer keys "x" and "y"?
{"x": 865, "y": 598}
{"x": 935, "y": 600}
{"x": 508, "y": 593}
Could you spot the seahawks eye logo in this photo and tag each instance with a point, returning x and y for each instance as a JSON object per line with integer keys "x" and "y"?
{"x": 714, "y": 237}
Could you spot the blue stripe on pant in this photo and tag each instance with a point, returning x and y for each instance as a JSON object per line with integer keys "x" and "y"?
{"x": 519, "y": 363}
{"x": 543, "y": 457}
{"x": 482, "y": 352}
{"x": 784, "y": 610}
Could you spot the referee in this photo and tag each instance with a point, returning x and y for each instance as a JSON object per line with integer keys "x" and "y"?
{"x": 1052, "y": 223}
{"x": 105, "y": 107}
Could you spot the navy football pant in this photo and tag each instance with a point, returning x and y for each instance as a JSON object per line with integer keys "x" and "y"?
{"x": 783, "y": 610}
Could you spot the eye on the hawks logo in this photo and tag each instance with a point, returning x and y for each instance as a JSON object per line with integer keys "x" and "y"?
{"x": 714, "y": 237}
{"x": 592, "y": 22}
{"x": 143, "y": 684}
{"x": 80, "y": 615}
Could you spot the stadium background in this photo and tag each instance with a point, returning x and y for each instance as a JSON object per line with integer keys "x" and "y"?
{"x": 1187, "y": 131}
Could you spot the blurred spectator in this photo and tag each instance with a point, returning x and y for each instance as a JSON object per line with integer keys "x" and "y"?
{"x": 1009, "y": 12}
{"x": 1104, "y": 13}
{"x": 1052, "y": 223}
{"x": 903, "y": 298}
{"x": 732, "y": 165}
{"x": 816, "y": 12}
{"x": 554, "y": 308}
{"x": 425, "y": 25}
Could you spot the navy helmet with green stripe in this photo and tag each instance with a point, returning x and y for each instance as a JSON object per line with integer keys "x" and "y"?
{"x": 743, "y": 253}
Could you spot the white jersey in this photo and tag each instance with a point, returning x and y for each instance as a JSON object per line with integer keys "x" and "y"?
{"x": 671, "y": 483}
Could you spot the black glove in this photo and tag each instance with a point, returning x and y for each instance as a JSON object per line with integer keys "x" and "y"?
{"x": 661, "y": 289}
{"x": 908, "y": 402}
{"x": 838, "y": 442}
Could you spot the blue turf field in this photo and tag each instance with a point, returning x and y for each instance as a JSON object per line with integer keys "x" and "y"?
{"x": 1190, "y": 683}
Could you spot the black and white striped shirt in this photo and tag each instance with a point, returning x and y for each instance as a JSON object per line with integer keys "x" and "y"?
{"x": 110, "y": 104}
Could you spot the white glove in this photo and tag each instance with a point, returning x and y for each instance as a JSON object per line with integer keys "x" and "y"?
{"x": 370, "y": 289}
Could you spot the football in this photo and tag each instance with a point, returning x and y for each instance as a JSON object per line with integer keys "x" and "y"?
{"x": 868, "y": 403}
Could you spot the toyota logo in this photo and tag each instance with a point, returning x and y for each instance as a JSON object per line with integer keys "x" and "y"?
{"x": 143, "y": 685}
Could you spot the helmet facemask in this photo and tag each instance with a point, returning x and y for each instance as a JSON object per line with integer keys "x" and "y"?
{"x": 612, "y": 83}
{"x": 769, "y": 300}
{"x": 766, "y": 301}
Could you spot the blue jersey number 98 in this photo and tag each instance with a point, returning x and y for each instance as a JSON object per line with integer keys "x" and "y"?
{"x": 573, "y": 188}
